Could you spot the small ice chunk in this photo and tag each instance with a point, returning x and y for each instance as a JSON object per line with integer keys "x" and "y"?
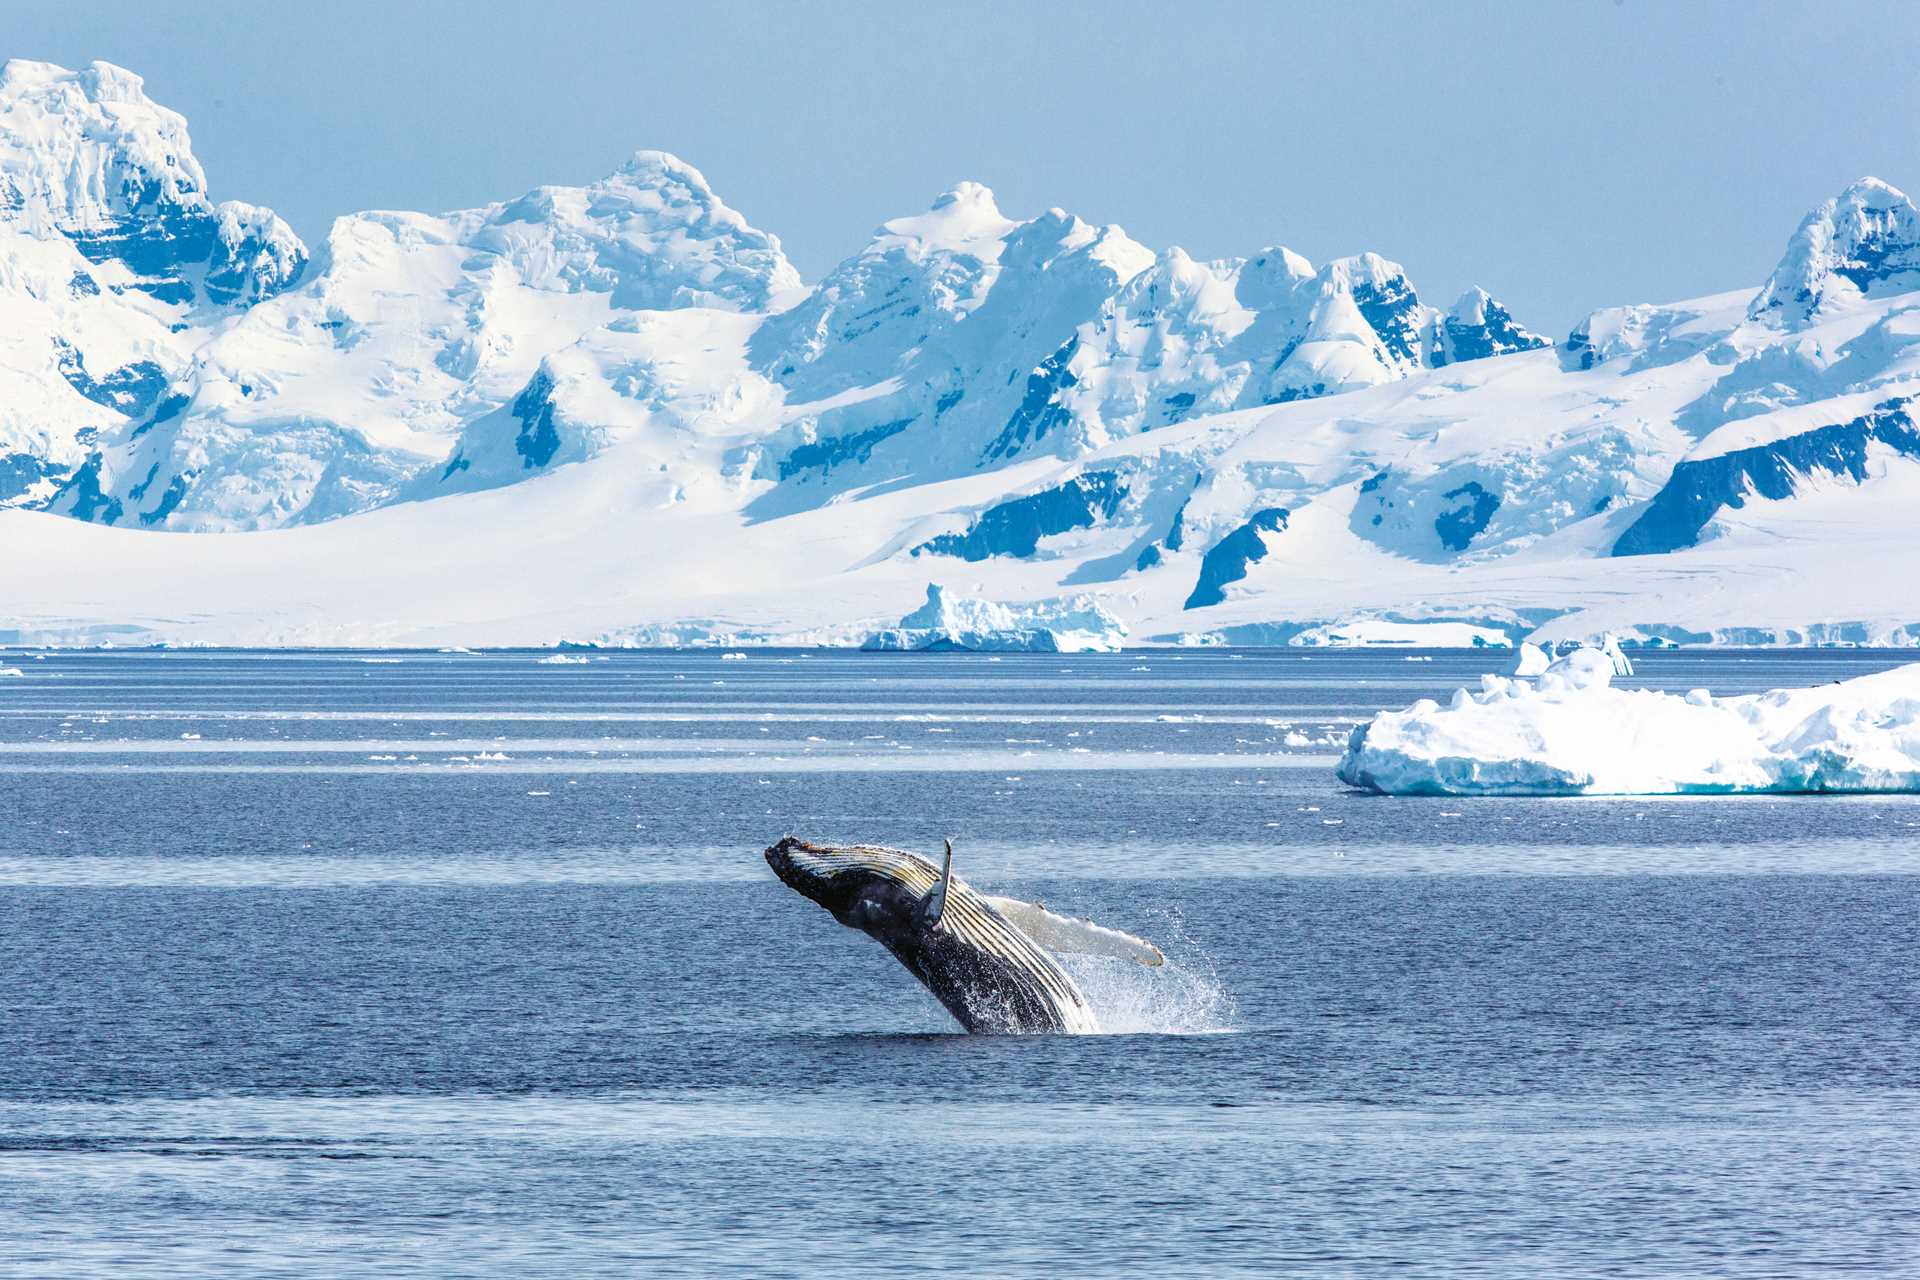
{"x": 1532, "y": 661}
{"x": 1582, "y": 669}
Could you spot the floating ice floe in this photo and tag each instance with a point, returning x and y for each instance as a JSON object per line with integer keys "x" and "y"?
{"x": 1569, "y": 732}
{"x": 560, "y": 660}
{"x": 1074, "y": 625}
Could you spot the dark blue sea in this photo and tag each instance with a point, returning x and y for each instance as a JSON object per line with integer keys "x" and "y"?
{"x": 456, "y": 964}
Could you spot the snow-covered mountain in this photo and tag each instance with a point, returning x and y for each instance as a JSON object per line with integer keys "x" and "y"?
{"x": 111, "y": 255}
{"x": 329, "y": 398}
{"x": 421, "y": 355}
{"x": 616, "y": 412}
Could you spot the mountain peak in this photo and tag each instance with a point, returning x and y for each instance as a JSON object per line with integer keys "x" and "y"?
{"x": 1267, "y": 280}
{"x": 1865, "y": 242}
{"x": 965, "y": 219}
{"x": 81, "y": 151}
{"x": 1476, "y": 327}
{"x": 969, "y": 195}
{"x": 255, "y": 254}
{"x": 1471, "y": 306}
{"x": 1872, "y": 192}
{"x": 662, "y": 171}
{"x": 101, "y": 81}
{"x": 86, "y": 155}
{"x": 1362, "y": 270}
{"x": 652, "y": 234}
{"x": 663, "y": 165}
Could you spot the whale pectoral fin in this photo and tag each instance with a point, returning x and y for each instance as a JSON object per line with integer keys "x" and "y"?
{"x": 934, "y": 905}
{"x": 1078, "y": 937}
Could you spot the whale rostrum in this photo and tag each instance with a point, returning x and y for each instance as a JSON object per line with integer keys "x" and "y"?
{"x": 987, "y": 959}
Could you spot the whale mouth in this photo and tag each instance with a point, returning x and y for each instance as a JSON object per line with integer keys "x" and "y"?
{"x": 807, "y": 869}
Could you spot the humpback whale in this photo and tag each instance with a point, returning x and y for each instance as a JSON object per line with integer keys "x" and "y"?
{"x": 987, "y": 959}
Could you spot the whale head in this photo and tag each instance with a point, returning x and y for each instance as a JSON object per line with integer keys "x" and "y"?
{"x": 881, "y": 892}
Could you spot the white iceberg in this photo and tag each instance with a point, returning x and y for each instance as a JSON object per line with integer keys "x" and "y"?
{"x": 1570, "y": 732}
{"x": 1077, "y": 624}
{"x": 1532, "y": 660}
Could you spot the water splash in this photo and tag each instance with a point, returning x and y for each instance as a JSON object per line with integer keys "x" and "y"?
{"x": 1185, "y": 996}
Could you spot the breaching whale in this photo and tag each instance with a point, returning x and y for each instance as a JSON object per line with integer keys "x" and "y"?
{"x": 985, "y": 958}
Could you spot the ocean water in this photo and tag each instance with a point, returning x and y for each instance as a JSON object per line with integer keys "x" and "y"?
{"x": 436, "y": 964}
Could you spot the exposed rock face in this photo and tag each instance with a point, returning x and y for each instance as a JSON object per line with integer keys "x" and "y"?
{"x": 1478, "y": 327}
{"x": 1227, "y": 560}
{"x": 1700, "y": 488}
{"x": 1016, "y": 527}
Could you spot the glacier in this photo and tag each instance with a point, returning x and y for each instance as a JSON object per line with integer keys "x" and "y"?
{"x": 1570, "y": 731}
{"x": 615, "y": 410}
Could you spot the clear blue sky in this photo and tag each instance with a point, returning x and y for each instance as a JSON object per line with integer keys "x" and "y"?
{"x": 1566, "y": 156}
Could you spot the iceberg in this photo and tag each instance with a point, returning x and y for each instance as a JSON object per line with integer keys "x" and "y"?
{"x": 1570, "y": 732}
{"x": 1533, "y": 660}
{"x": 1076, "y": 624}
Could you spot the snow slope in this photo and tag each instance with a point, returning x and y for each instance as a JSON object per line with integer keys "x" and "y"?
{"x": 615, "y": 413}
